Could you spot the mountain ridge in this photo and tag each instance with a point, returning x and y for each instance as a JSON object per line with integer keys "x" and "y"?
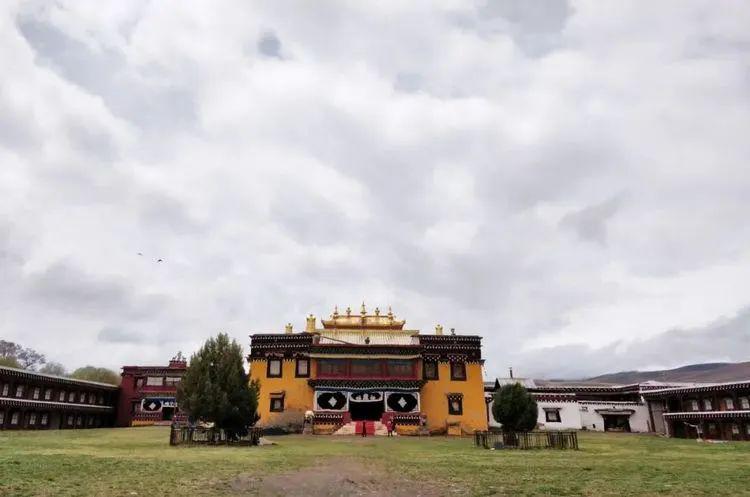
{"x": 710, "y": 372}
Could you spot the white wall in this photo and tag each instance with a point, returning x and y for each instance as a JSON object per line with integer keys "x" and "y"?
{"x": 570, "y": 417}
{"x": 592, "y": 420}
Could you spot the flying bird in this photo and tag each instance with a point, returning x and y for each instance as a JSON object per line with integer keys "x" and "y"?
{"x": 159, "y": 260}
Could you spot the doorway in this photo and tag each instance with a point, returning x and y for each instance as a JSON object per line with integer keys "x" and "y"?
{"x": 616, "y": 422}
{"x": 167, "y": 413}
{"x": 367, "y": 411}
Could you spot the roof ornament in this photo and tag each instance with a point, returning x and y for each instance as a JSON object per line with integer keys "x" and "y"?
{"x": 439, "y": 329}
{"x": 348, "y": 311}
{"x": 390, "y": 312}
{"x": 288, "y": 328}
{"x": 377, "y": 311}
{"x": 453, "y": 331}
{"x": 363, "y": 311}
{"x": 367, "y": 340}
{"x": 310, "y": 323}
{"x": 335, "y": 311}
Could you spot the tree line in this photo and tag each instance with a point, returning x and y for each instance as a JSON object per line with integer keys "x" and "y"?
{"x": 14, "y": 355}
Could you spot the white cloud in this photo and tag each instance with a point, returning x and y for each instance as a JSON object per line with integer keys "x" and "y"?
{"x": 454, "y": 160}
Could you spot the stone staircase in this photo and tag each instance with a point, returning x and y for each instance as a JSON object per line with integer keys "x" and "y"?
{"x": 374, "y": 428}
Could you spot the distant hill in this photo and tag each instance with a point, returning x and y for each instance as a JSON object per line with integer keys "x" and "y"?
{"x": 715, "y": 372}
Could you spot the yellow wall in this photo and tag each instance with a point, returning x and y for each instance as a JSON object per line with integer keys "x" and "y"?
{"x": 298, "y": 396}
{"x": 434, "y": 400}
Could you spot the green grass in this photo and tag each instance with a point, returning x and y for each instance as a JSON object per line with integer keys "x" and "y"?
{"x": 116, "y": 462}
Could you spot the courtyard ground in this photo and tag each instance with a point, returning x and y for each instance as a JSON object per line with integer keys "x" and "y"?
{"x": 139, "y": 462}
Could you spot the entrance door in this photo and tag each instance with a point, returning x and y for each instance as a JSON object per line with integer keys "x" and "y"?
{"x": 616, "y": 422}
{"x": 167, "y": 413}
{"x": 367, "y": 411}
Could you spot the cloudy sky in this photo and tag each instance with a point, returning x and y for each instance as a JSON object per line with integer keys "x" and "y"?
{"x": 568, "y": 179}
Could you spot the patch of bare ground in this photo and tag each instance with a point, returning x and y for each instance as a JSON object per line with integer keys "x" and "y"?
{"x": 336, "y": 477}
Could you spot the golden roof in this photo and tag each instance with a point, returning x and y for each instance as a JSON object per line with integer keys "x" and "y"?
{"x": 362, "y": 321}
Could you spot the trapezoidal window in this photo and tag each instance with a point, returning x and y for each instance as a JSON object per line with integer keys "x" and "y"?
{"x": 455, "y": 405}
{"x": 274, "y": 368}
{"x": 277, "y": 403}
{"x": 430, "y": 370}
{"x": 552, "y": 415}
{"x": 302, "y": 368}
{"x": 458, "y": 371}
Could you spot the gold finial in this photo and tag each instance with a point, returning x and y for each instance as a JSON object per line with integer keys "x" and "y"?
{"x": 335, "y": 311}
{"x": 439, "y": 329}
{"x": 348, "y": 311}
{"x": 390, "y": 312}
{"x": 310, "y": 326}
{"x": 363, "y": 311}
{"x": 377, "y": 311}
{"x": 288, "y": 328}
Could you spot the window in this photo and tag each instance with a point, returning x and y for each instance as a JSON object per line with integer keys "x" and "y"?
{"x": 48, "y": 394}
{"x": 82, "y": 398}
{"x": 729, "y": 403}
{"x": 552, "y": 415}
{"x": 302, "y": 369}
{"x": 277, "y": 403}
{"x": 91, "y": 421}
{"x": 19, "y": 391}
{"x": 364, "y": 368}
{"x": 747, "y": 429}
{"x": 6, "y": 388}
{"x": 2, "y": 418}
{"x": 79, "y": 420}
{"x": 36, "y": 393}
{"x": 694, "y": 405}
{"x": 139, "y": 382}
{"x": 155, "y": 381}
{"x": 458, "y": 371}
{"x": 100, "y": 399}
{"x": 61, "y": 398}
{"x": 44, "y": 419}
{"x": 172, "y": 380}
{"x": 14, "y": 418}
{"x": 400, "y": 368}
{"x": 735, "y": 429}
{"x": 455, "y": 405}
{"x": 72, "y": 397}
{"x": 32, "y": 418}
{"x": 331, "y": 367}
{"x": 744, "y": 403}
{"x": 430, "y": 370}
{"x": 70, "y": 420}
{"x": 274, "y": 368}
{"x": 707, "y": 406}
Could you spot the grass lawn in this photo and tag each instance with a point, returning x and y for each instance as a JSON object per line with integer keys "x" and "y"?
{"x": 139, "y": 461}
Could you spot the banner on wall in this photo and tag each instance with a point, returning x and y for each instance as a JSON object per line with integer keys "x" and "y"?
{"x": 156, "y": 404}
{"x": 402, "y": 401}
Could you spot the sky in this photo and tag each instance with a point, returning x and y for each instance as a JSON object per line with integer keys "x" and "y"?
{"x": 568, "y": 179}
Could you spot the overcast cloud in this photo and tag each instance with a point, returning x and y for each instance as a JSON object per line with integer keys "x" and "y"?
{"x": 568, "y": 179}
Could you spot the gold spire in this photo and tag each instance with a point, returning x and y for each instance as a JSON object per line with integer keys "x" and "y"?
{"x": 439, "y": 329}
{"x": 310, "y": 326}
{"x": 363, "y": 311}
{"x": 377, "y": 311}
{"x": 390, "y": 312}
{"x": 348, "y": 311}
{"x": 288, "y": 328}
{"x": 335, "y": 311}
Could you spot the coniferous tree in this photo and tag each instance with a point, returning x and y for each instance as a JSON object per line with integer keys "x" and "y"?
{"x": 215, "y": 387}
{"x": 514, "y": 408}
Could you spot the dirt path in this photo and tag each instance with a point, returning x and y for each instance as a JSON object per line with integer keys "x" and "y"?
{"x": 334, "y": 478}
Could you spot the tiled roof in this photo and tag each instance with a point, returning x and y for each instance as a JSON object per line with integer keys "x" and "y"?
{"x": 24, "y": 373}
{"x": 709, "y": 387}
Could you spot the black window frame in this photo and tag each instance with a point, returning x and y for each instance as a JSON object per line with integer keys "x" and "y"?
{"x": 463, "y": 368}
{"x": 460, "y": 410}
{"x": 299, "y": 360}
{"x": 425, "y": 376}
{"x": 268, "y": 368}
{"x": 280, "y": 399}
{"x": 556, "y": 411}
